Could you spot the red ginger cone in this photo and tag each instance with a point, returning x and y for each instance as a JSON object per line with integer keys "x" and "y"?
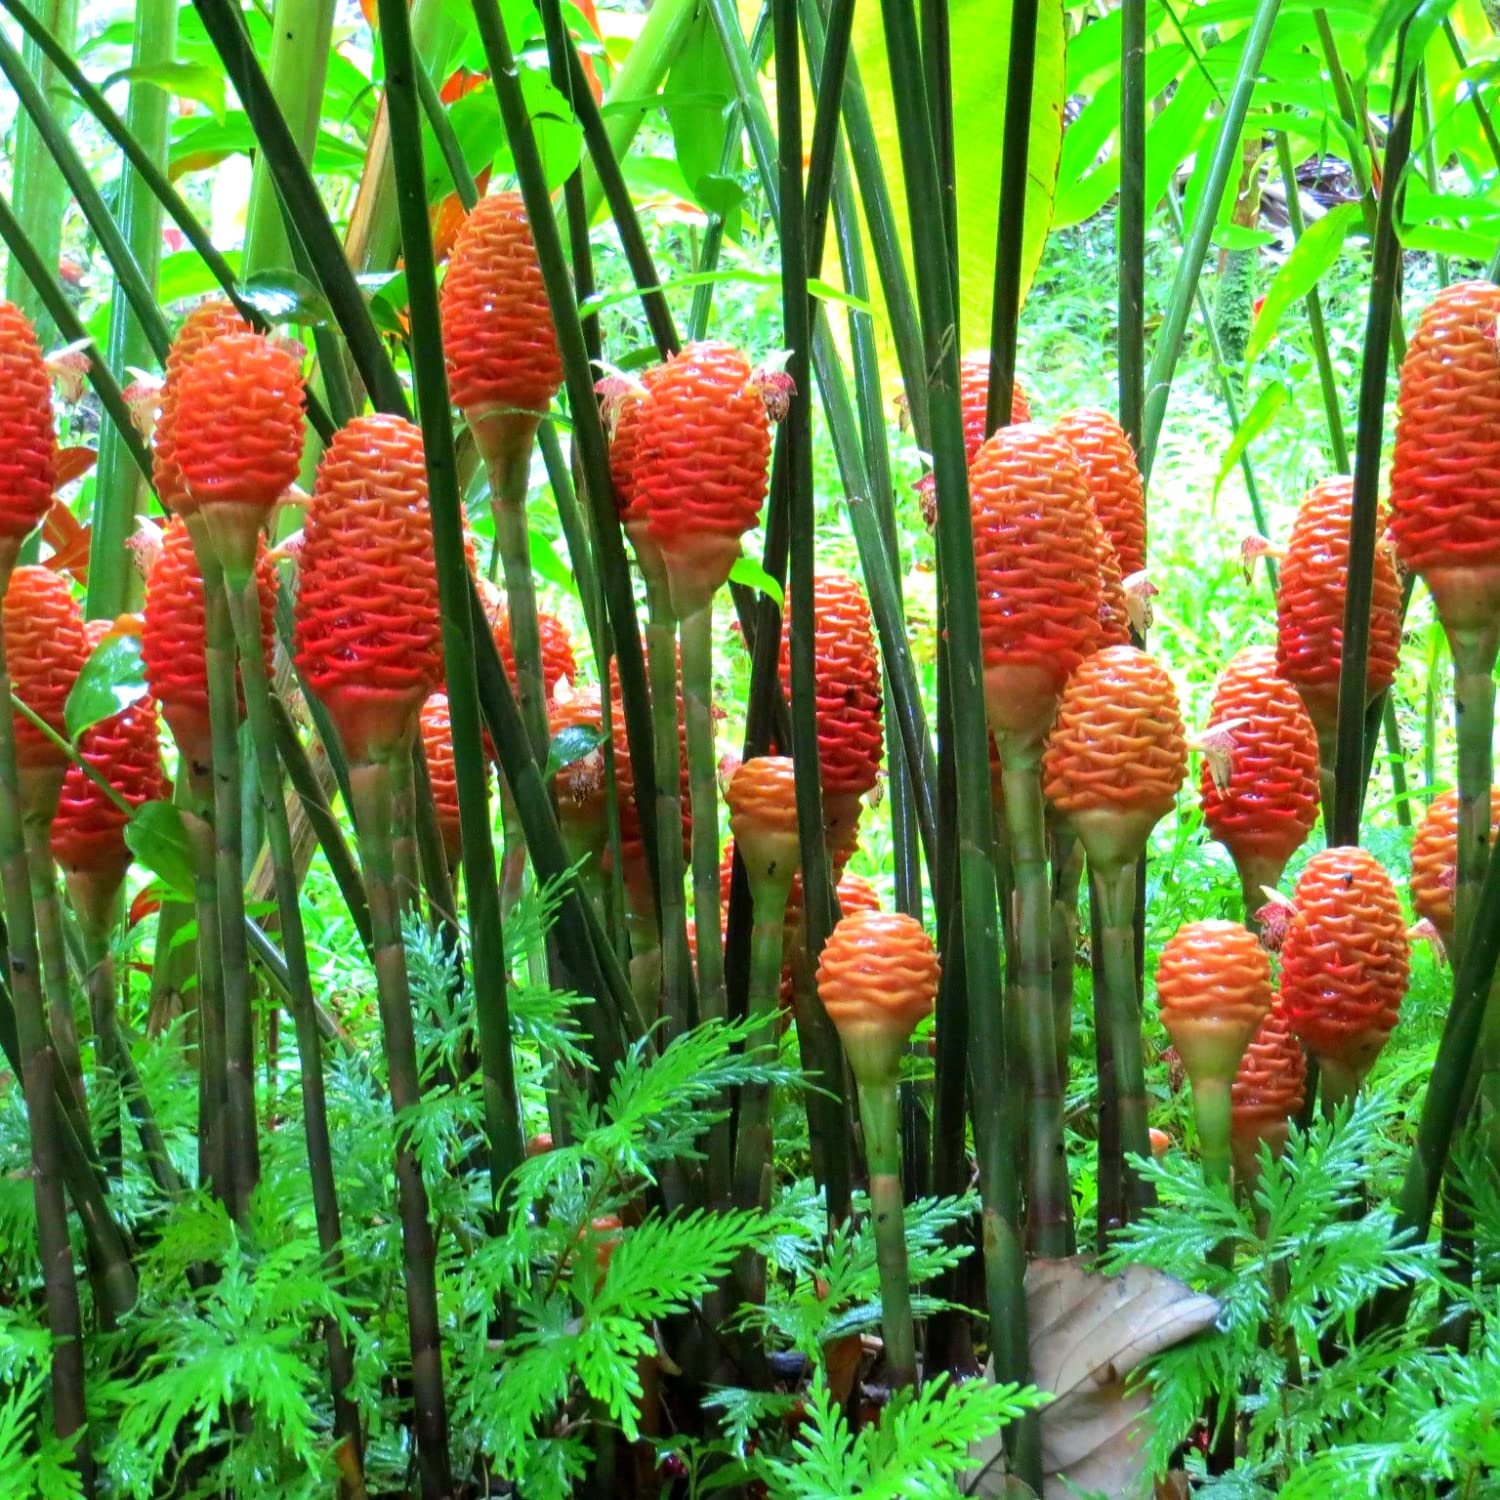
{"x": 208, "y": 321}
{"x": 88, "y": 831}
{"x": 1035, "y": 552}
{"x": 437, "y": 745}
{"x": 702, "y": 453}
{"x": 1114, "y": 607}
{"x": 877, "y": 978}
{"x": 558, "y": 663}
{"x": 1445, "y": 471}
{"x": 851, "y": 739}
{"x": 1267, "y": 1094}
{"x": 1108, "y": 462}
{"x": 503, "y": 364}
{"x": 1310, "y": 607}
{"x": 1434, "y": 859}
{"x": 1269, "y": 799}
{"x": 239, "y": 433}
{"x": 172, "y": 640}
{"x": 974, "y": 395}
{"x": 28, "y": 441}
{"x": 1118, "y": 754}
{"x": 45, "y": 649}
{"x": 1344, "y": 964}
{"x": 368, "y": 633}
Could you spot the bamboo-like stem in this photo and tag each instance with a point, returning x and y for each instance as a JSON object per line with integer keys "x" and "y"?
{"x": 40, "y": 1080}
{"x": 1048, "y": 1231}
{"x": 198, "y": 816}
{"x": 1226, "y": 156}
{"x": 880, "y": 1117}
{"x": 703, "y": 782}
{"x": 1119, "y": 1009}
{"x": 1350, "y": 773}
{"x": 1130, "y": 221}
{"x": 112, "y": 581}
{"x": 244, "y": 608}
{"x": 1066, "y": 858}
{"x": 677, "y": 986}
{"x": 241, "y": 1142}
{"x": 374, "y": 799}
{"x": 752, "y": 1153}
{"x": 109, "y": 1066}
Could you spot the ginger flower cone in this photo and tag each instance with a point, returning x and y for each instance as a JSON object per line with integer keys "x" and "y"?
{"x": 437, "y": 746}
{"x": 877, "y": 979}
{"x": 1267, "y": 1094}
{"x": 1108, "y": 462}
{"x": 28, "y": 441}
{"x": 367, "y": 629}
{"x": 1434, "y": 860}
{"x": 1310, "y": 612}
{"x": 974, "y": 396}
{"x": 1036, "y": 554}
{"x": 1345, "y": 962}
{"x": 1213, "y": 985}
{"x": 1112, "y": 768}
{"x": 1259, "y": 779}
{"x": 239, "y": 436}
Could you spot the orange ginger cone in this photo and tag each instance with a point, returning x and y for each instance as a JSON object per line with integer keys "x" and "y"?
{"x": 878, "y": 978}
{"x": 1310, "y": 612}
{"x": 1434, "y": 860}
{"x": 1213, "y": 984}
{"x": 28, "y": 441}
{"x": 239, "y": 434}
{"x": 1113, "y": 765}
{"x": 1344, "y": 965}
{"x": 1108, "y": 462}
{"x": 974, "y": 395}
{"x": 1259, "y": 781}
{"x": 1267, "y": 1094}
{"x": 437, "y": 746}
{"x": 368, "y": 634}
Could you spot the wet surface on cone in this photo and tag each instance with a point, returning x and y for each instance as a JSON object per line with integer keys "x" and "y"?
{"x": 45, "y": 649}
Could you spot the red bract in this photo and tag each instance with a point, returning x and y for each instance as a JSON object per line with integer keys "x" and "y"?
{"x": 1267, "y": 1093}
{"x": 1270, "y": 750}
{"x": 497, "y": 326}
{"x": 172, "y": 640}
{"x": 1445, "y": 471}
{"x": 1344, "y": 963}
{"x": 1434, "y": 859}
{"x": 1310, "y": 605}
{"x": 208, "y": 321}
{"x": 437, "y": 743}
{"x": 851, "y": 740}
{"x": 974, "y": 395}
{"x": 1114, "y": 608}
{"x": 28, "y": 442}
{"x": 1036, "y": 557}
{"x": 239, "y": 424}
{"x": 368, "y": 634}
{"x": 45, "y": 648}
{"x": 1108, "y": 463}
{"x": 558, "y": 663}
{"x": 702, "y": 451}
{"x": 88, "y": 831}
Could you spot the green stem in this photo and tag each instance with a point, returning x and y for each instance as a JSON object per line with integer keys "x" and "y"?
{"x": 374, "y": 796}
{"x": 112, "y": 581}
{"x": 879, "y": 1113}
{"x": 1048, "y": 1228}
{"x": 661, "y": 635}
{"x": 1130, "y": 220}
{"x": 241, "y": 1142}
{"x": 1212, "y": 1114}
{"x": 753, "y": 1162}
{"x": 99, "y": 982}
{"x": 244, "y": 607}
{"x": 41, "y": 1080}
{"x": 703, "y": 781}
{"x": 213, "y": 1163}
{"x": 36, "y": 830}
{"x": 1121, "y": 1008}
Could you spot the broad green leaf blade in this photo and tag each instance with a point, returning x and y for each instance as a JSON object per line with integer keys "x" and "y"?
{"x": 158, "y": 838}
{"x": 1313, "y": 256}
{"x": 698, "y": 91}
{"x": 980, "y": 46}
{"x": 1256, "y": 421}
{"x": 749, "y": 572}
{"x": 286, "y": 297}
{"x": 112, "y": 679}
{"x": 571, "y": 745}
{"x": 186, "y": 80}
{"x": 545, "y": 563}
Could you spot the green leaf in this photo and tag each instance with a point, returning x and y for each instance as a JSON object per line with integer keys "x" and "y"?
{"x": 1314, "y": 255}
{"x": 286, "y": 297}
{"x": 112, "y": 679}
{"x": 699, "y": 88}
{"x": 158, "y": 838}
{"x": 1257, "y": 419}
{"x": 545, "y": 563}
{"x": 570, "y": 746}
{"x": 750, "y": 573}
{"x": 186, "y": 80}
{"x": 980, "y": 30}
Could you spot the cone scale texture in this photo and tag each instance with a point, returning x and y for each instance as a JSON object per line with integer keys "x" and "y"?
{"x": 1213, "y": 984}
{"x": 762, "y": 801}
{"x": 974, "y": 396}
{"x": 28, "y": 442}
{"x": 1108, "y": 462}
{"x": 45, "y": 649}
{"x": 1434, "y": 859}
{"x": 1268, "y": 1090}
{"x": 436, "y": 730}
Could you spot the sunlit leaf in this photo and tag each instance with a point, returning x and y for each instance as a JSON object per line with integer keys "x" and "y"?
{"x": 286, "y": 297}
{"x": 1256, "y": 421}
{"x": 570, "y": 746}
{"x": 158, "y": 837}
{"x": 1317, "y": 251}
{"x": 112, "y": 679}
{"x": 750, "y": 573}
{"x": 186, "y": 80}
